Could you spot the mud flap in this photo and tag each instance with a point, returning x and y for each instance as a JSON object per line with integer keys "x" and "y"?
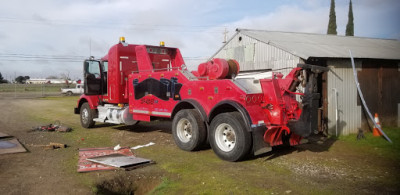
{"x": 259, "y": 145}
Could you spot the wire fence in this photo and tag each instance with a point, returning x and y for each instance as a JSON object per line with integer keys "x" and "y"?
{"x": 31, "y": 90}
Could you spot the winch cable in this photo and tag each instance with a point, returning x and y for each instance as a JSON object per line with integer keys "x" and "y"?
{"x": 362, "y": 98}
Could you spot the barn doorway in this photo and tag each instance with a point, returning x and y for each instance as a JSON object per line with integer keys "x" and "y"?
{"x": 320, "y": 103}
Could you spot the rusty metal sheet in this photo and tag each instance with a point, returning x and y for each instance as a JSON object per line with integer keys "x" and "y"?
{"x": 86, "y": 166}
{"x": 119, "y": 160}
{"x": 11, "y": 146}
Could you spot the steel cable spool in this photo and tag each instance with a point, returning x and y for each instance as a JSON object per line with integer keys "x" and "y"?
{"x": 233, "y": 68}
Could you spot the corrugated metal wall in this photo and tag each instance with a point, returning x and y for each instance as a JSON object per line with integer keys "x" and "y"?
{"x": 341, "y": 78}
{"x": 252, "y": 54}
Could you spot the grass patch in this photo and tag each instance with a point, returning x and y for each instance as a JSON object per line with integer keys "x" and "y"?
{"x": 202, "y": 172}
{"x": 33, "y": 87}
{"x": 378, "y": 144}
{"x": 164, "y": 187}
{"x": 49, "y": 109}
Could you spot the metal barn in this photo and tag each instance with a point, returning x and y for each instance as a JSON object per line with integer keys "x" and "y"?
{"x": 377, "y": 62}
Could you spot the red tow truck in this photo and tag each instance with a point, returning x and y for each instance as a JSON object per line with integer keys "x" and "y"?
{"x": 237, "y": 114}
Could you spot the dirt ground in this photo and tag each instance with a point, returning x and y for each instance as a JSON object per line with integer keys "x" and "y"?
{"x": 323, "y": 166}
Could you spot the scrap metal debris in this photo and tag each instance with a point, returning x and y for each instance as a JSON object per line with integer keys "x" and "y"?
{"x": 95, "y": 159}
{"x": 52, "y": 145}
{"x": 117, "y": 147}
{"x": 86, "y": 166}
{"x": 141, "y": 146}
{"x": 52, "y": 127}
{"x": 11, "y": 146}
{"x": 119, "y": 160}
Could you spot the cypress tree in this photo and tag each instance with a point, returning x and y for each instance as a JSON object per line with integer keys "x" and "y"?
{"x": 332, "y": 19}
{"x": 350, "y": 23}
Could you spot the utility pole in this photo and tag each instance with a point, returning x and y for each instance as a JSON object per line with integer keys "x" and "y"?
{"x": 225, "y": 35}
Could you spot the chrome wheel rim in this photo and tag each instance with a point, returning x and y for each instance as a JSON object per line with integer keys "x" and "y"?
{"x": 225, "y": 137}
{"x": 85, "y": 116}
{"x": 184, "y": 130}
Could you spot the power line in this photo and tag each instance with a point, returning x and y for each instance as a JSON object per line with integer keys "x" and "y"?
{"x": 40, "y": 57}
{"x": 61, "y": 58}
{"x": 16, "y": 57}
{"x": 107, "y": 23}
{"x": 37, "y": 60}
{"x": 130, "y": 27}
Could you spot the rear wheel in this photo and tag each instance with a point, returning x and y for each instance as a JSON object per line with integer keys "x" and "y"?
{"x": 188, "y": 130}
{"x": 69, "y": 93}
{"x": 87, "y": 114}
{"x": 228, "y": 136}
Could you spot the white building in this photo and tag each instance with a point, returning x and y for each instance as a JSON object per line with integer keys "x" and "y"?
{"x": 377, "y": 62}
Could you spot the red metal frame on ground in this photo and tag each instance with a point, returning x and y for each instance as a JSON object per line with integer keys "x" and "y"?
{"x": 87, "y": 166}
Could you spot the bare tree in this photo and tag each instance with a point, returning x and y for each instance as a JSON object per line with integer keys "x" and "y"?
{"x": 66, "y": 78}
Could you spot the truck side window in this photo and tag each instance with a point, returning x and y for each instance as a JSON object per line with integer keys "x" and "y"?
{"x": 105, "y": 66}
{"x": 93, "y": 68}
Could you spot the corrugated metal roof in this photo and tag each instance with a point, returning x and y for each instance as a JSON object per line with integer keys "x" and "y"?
{"x": 306, "y": 45}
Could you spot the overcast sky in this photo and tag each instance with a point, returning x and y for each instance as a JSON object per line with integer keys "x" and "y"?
{"x": 44, "y": 38}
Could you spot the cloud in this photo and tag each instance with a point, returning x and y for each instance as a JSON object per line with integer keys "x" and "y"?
{"x": 83, "y": 28}
{"x": 288, "y": 18}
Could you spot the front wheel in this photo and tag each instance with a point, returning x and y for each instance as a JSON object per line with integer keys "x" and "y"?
{"x": 87, "y": 114}
{"x": 228, "y": 136}
{"x": 188, "y": 130}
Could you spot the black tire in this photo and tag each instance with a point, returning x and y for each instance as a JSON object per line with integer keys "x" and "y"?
{"x": 228, "y": 136}
{"x": 189, "y": 130}
{"x": 87, "y": 114}
{"x": 69, "y": 93}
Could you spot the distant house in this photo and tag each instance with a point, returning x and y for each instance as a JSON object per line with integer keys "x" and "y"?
{"x": 36, "y": 81}
{"x": 48, "y": 81}
{"x": 377, "y": 62}
{"x": 57, "y": 81}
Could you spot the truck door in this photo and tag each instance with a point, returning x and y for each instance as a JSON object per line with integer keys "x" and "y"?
{"x": 93, "y": 77}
